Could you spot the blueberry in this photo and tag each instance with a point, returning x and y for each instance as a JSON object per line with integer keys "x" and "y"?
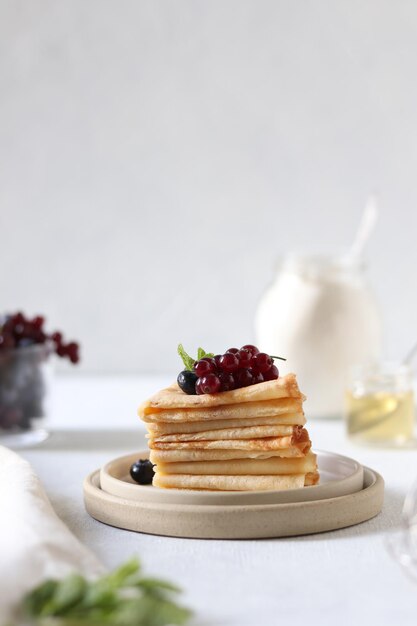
{"x": 142, "y": 472}
{"x": 186, "y": 381}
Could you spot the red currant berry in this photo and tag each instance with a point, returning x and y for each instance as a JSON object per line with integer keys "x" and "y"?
{"x": 271, "y": 374}
{"x": 57, "y": 338}
{"x": 18, "y": 318}
{"x": 262, "y": 362}
{"x": 72, "y": 352}
{"x": 210, "y": 383}
{"x": 61, "y": 350}
{"x": 245, "y": 358}
{"x": 252, "y": 349}
{"x": 227, "y": 381}
{"x": 205, "y": 366}
{"x": 229, "y": 362}
{"x": 8, "y": 326}
{"x": 39, "y": 337}
{"x": 257, "y": 377}
{"x": 217, "y": 359}
{"x": 232, "y": 350}
{"x": 38, "y": 322}
{"x": 243, "y": 378}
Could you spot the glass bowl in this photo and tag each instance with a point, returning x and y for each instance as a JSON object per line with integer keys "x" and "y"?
{"x": 402, "y": 541}
{"x": 25, "y": 379}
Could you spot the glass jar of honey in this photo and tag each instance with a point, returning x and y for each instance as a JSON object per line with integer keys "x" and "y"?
{"x": 380, "y": 404}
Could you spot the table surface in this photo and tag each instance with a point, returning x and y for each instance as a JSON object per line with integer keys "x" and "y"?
{"x": 344, "y": 577}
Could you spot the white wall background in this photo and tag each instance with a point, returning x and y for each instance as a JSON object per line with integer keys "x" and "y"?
{"x": 157, "y": 157}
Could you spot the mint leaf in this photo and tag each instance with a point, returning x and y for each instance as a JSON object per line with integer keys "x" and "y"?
{"x": 153, "y": 583}
{"x": 186, "y": 358}
{"x": 202, "y": 353}
{"x": 123, "y": 574}
{"x": 39, "y": 597}
{"x": 121, "y": 598}
{"x": 68, "y": 594}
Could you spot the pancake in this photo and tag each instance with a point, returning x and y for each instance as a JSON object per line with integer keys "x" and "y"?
{"x": 229, "y": 483}
{"x": 164, "y": 428}
{"x": 241, "y": 410}
{"x": 298, "y": 439}
{"x": 174, "y": 456}
{"x": 174, "y": 398}
{"x": 237, "y": 467}
{"x": 252, "y": 432}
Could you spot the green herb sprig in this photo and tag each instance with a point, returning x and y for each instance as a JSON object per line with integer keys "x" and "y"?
{"x": 188, "y": 360}
{"x": 122, "y": 598}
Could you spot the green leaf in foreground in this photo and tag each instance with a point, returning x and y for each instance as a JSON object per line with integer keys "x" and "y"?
{"x": 121, "y": 598}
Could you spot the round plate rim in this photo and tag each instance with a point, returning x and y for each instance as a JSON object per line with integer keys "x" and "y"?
{"x": 259, "y": 521}
{"x": 344, "y": 486}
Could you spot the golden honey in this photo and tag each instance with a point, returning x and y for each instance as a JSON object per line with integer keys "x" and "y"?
{"x": 381, "y": 417}
{"x": 380, "y": 403}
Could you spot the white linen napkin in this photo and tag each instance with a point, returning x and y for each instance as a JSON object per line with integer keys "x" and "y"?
{"x": 34, "y": 543}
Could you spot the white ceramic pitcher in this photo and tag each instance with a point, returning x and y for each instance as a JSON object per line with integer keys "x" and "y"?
{"x": 320, "y": 314}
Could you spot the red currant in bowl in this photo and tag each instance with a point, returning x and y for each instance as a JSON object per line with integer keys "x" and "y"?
{"x": 25, "y": 375}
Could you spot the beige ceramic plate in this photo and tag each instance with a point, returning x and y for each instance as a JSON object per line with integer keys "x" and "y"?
{"x": 254, "y": 521}
{"x": 339, "y": 476}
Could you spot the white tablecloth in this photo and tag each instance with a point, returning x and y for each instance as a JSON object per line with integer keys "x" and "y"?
{"x": 344, "y": 577}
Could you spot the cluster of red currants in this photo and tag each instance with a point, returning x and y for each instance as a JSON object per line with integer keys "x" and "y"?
{"x": 234, "y": 369}
{"x": 18, "y": 331}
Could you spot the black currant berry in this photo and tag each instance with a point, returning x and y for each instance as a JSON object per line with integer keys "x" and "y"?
{"x": 142, "y": 472}
{"x": 186, "y": 381}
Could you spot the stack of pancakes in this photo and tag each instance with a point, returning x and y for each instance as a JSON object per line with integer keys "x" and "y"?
{"x": 251, "y": 438}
